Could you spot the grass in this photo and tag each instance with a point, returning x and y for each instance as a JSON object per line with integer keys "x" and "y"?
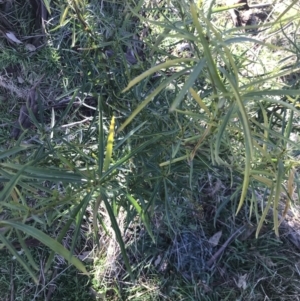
{"x": 56, "y": 284}
{"x": 156, "y": 125}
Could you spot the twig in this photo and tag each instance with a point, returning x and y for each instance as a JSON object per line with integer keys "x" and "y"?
{"x": 52, "y": 286}
{"x": 77, "y": 122}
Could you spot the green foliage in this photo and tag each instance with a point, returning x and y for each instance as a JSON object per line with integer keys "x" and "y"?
{"x": 228, "y": 120}
{"x": 117, "y": 143}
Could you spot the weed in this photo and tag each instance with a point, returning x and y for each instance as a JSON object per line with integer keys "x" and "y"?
{"x": 153, "y": 126}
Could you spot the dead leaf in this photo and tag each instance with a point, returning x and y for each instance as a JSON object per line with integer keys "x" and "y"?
{"x": 205, "y": 287}
{"x": 157, "y": 261}
{"x": 241, "y": 283}
{"x": 247, "y": 233}
{"x": 161, "y": 263}
{"x": 12, "y": 38}
{"x": 24, "y": 121}
{"x": 30, "y": 47}
{"x": 267, "y": 261}
{"x": 214, "y": 240}
{"x": 20, "y": 80}
{"x": 270, "y": 263}
{"x": 85, "y": 256}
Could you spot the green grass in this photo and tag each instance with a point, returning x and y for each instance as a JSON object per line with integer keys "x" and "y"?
{"x": 200, "y": 142}
{"x": 59, "y": 283}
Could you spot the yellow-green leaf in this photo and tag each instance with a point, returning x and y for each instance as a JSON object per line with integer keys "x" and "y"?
{"x": 109, "y": 145}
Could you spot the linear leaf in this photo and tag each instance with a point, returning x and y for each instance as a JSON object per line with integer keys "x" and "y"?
{"x": 127, "y": 157}
{"x": 156, "y": 68}
{"x": 265, "y": 212}
{"x": 200, "y": 101}
{"x": 207, "y": 52}
{"x": 63, "y": 232}
{"x": 26, "y": 251}
{"x": 187, "y": 85}
{"x": 50, "y": 174}
{"x": 100, "y": 138}
{"x": 48, "y": 241}
{"x": 19, "y": 258}
{"x": 142, "y": 214}
{"x": 109, "y": 145}
{"x": 5, "y": 193}
{"x": 128, "y": 135}
{"x": 149, "y": 98}
{"x": 13, "y": 151}
{"x": 117, "y": 231}
{"x": 47, "y": 5}
{"x": 84, "y": 204}
{"x": 280, "y": 175}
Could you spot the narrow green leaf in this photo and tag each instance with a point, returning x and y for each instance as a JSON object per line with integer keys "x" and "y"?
{"x": 63, "y": 15}
{"x": 289, "y": 126}
{"x": 154, "y": 69}
{"x": 64, "y": 231}
{"x": 262, "y": 180}
{"x": 200, "y": 101}
{"x": 248, "y": 157}
{"x": 225, "y": 53}
{"x": 128, "y": 135}
{"x": 100, "y": 138}
{"x": 95, "y": 219}
{"x": 26, "y": 251}
{"x": 168, "y": 162}
{"x": 207, "y": 52}
{"x": 50, "y": 174}
{"x": 63, "y": 114}
{"x": 250, "y": 40}
{"x": 280, "y": 175}
{"x": 188, "y": 84}
{"x": 117, "y": 231}
{"x": 159, "y": 39}
{"x": 286, "y": 10}
{"x": 47, "y": 5}
{"x": 149, "y": 98}
{"x": 13, "y": 151}
{"x": 167, "y": 209}
{"x": 265, "y": 212}
{"x": 14, "y": 252}
{"x": 127, "y": 157}
{"x": 48, "y": 241}
{"x": 274, "y": 92}
{"x": 142, "y": 214}
{"x": 84, "y": 204}
{"x": 153, "y": 196}
{"x": 221, "y": 130}
{"x": 68, "y": 164}
{"x": 248, "y": 140}
{"x": 275, "y": 134}
{"x": 5, "y": 193}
